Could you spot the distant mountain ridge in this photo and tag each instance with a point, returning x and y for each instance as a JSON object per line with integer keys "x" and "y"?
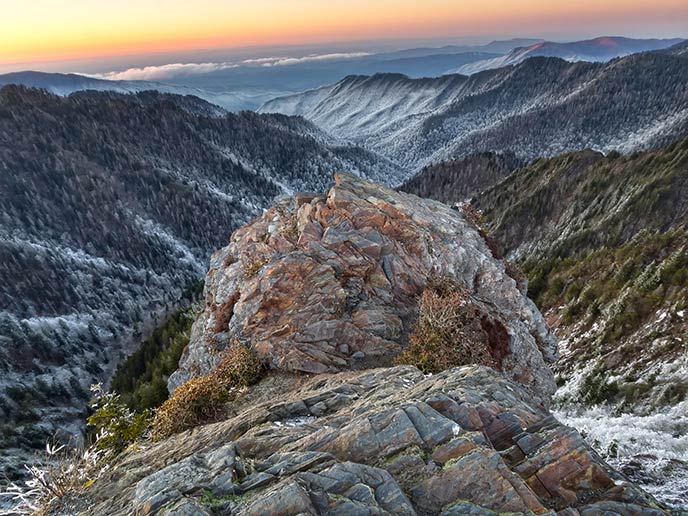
{"x": 680, "y": 49}
{"x": 66, "y": 84}
{"x": 541, "y": 107}
{"x": 248, "y": 84}
{"x": 593, "y": 50}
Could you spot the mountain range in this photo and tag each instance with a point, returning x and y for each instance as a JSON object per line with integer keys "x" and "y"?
{"x": 541, "y": 107}
{"x": 248, "y": 82}
{"x": 113, "y": 200}
{"x": 592, "y": 50}
{"x": 65, "y": 84}
{"x": 111, "y": 205}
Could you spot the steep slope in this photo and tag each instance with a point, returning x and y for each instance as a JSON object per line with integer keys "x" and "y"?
{"x": 336, "y": 271}
{"x": 592, "y": 50}
{"x": 585, "y": 200}
{"x": 681, "y": 49}
{"x": 109, "y": 208}
{"x": 603, "y": 240}
{"x": 456, "y": 181}
{"x": 541, "y": 107}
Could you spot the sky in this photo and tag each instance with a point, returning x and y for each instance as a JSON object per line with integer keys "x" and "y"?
{"x": 51, "y": 33}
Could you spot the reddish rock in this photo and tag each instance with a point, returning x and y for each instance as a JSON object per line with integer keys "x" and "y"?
{"x": 329, "y": 283}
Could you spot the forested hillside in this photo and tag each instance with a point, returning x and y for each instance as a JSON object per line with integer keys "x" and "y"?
{"x": 460, "y": 179}
{"x": 604, "y": 242}
{"x": 541, "y": 107}
{"x": 110, "y": 206}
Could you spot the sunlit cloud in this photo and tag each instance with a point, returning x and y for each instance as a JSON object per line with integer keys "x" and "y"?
{"x": 285, "y": 61}
{"x": 170, "y": 71}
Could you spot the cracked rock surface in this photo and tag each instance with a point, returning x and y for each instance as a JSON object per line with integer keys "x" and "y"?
{"x": 325, "y": 288}
{"x": 325, "y": 283}
{"x": 384, "y": 441}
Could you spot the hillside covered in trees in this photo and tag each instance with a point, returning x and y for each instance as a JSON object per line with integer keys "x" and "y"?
{"x": 543, "y": 106}
{"x": 110, "y": 205}
{"x": 604, "y": 242}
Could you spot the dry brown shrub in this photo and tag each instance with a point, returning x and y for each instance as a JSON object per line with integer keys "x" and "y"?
{"x": 448, "y": 332}
{"x": 201, "y": 400}
{"x": 239, "y": 366}
{"x": 252, "y": 268}
{"x": 197, "y": 401}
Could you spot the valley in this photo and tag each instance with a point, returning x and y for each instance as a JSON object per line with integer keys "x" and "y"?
{"x": 541, "y": 107}
{"x": 111, "y": 207}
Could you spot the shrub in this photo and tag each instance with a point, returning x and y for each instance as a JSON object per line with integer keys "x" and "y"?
{"x": 114, "y": 423}
{"x": 448, "y": 332}
{"x": 197, "y": 401}
{"x": 239, "y": 366}
{"x": 596, "y": 389}
{"x": 63, "y": 471}
{"x": 252, "y": 268}
{"x": 201, "y": 400}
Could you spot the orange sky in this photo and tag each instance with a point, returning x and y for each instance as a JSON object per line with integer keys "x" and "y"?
{"x": 32, "y": 30}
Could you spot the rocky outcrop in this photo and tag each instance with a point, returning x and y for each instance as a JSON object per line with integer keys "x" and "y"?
{"x": 325, "y": 283}
{"x": 386, "y": 441}
{"x": 325, "y": 289}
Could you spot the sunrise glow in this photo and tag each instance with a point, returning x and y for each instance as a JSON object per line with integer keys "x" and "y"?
{"x": 48, "y": 30}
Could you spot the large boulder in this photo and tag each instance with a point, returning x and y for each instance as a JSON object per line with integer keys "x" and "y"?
{"x": 326, "y": 283}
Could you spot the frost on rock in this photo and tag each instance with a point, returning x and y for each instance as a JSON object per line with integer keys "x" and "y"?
{"x": 652, "y": 450}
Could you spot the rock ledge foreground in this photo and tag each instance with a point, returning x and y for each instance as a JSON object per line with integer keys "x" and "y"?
{"x": 325, "y": 289}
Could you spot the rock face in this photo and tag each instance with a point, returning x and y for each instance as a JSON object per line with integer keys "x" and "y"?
{"x": 386, "y": 441}
{"x": 330, "y": 283}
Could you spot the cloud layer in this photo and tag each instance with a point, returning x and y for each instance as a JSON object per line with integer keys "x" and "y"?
{"x": 285, "y": 61}
{"x": 169, "y": 71}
